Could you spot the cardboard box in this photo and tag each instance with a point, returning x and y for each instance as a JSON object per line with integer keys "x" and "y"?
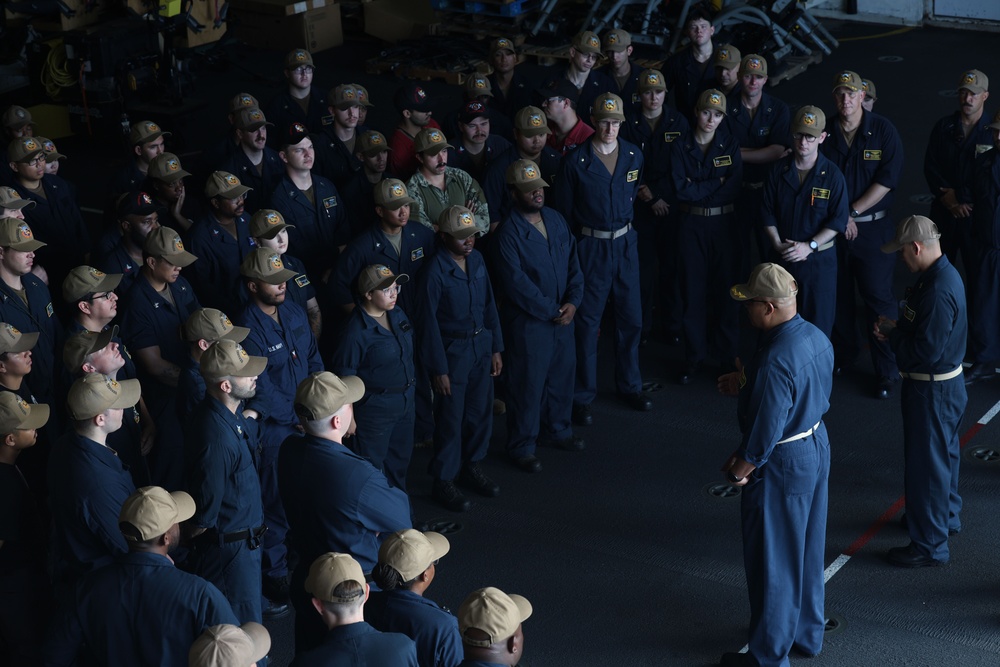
{"x": 395, "y": 20}
{"x": 315, "y": 29}
{"x": 203, "y": 11}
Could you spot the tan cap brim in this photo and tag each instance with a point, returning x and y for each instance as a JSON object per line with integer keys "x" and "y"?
{"x": 237, "y": 334}
{"x": 180, "y": 259}
{"x": 522, "y": 604}
{"x": 131, "y": 392}
{"x": 27, "y": 341}
{"x": 174, "y": 176}
{"x": 439, "y": 544}
{"x": 282, "y": 276}
{"x": 261, "y": 639}
{"x": 355, "y": 388}
{"x": 38, "y": 416}
{"x": 185, "y": 505}
{"x": 28, "y": 246}
{"x": 255, "y": 366}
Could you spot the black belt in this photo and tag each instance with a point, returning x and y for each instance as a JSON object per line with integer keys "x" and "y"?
{"x": 706, "y": 212}
{"x": 251, "y": 535}
{"x": 462, "y": 334}
{"x": 390, "y": 390}
{"x": 871, "y": 217}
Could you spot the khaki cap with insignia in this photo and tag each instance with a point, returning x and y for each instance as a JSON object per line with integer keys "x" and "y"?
{"x": 84, "y": 343}
{"x": 457, "y": 222}
{"x": 297, "y": 58}
{"x": 242, "y": 101}
{"x": 371, "y": 143}
{"x": 49, "y": 148}
{"x": 145, "y": 131}
{"x": 265, "y": 264}
{"x": 225, "y": 185}
{"x": 914, "y": 229}
{"x": 166, "y": 167}
{"x": 809, "y": 120}
{"x": 378, "y": 276}
{"x": 228, "y": 358}
{"x": 165, "y": 243}
{"x": 847, "y": 79}
{"x": 16, "y": 414}
{"x": 608, "y": 106}
{"x": 250, "y": 119}
{"x": 16, "y": 234}
{"x": 753, "y": 64}
{"x": 711, "y": 99}
{"x": 410, "y": 552}
{"x": 94, "y": 393}
{"x": 531, "y": 121}
{"x": 16, "y": 117}
{"x": 974, "y": 81}
{"x": 651, "y": 79}
{"x": 768, "y": 281}
{"x": 430, "y": 140}
{"x": 25, "y": 149}
{"x": 587, "y": 42}
{"x": 728, "y": 56}
{"x": 266, "y": 223}
{"x": 9, "y": 198}
{"x": 391, "y": 193}
{"x": 12, "y": 340}
{"x": 525, "y": 176}
{"x": 212, "y": 325}
{"x": 84, "y": 280}
{"x": 616, "y": 40}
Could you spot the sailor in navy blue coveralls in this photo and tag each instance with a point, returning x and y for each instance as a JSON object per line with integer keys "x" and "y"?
{"x": 598, "y": 204}
{"x": 377, "y": 346}
{"x": 220, "y": 452}
{"x": 460, "y": 344}
{"x": 929, "y": 342}
{"x": 804, "y": 207}
{"x": 706, "y": 168}
{"x": 871, "y": 164}
{"x": 984, "y": 282}
{"x": 543, "y": 285}
{"x": 279, "y": 331}
{"x": 782, "y": 465}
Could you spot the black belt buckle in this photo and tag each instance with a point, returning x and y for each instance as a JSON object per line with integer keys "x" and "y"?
{"x": 254, "y": 541}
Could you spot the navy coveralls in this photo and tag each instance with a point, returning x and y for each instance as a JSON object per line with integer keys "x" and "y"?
{"x": 458, "y": 333}
{"x": 929, "y": 338}
{"x": 359, "y": 644}
{"x": 334, "y": 160}
{"x": 658, "y": 251}
{"x": 336, "y": 501}
{"x": 538, "y": 275}
{"x": 495, "y": 179}
{"x": 770, "y": 125}
{"x": 433, "y": 629}
{"x": 596, "y": 202}
{"x": 117, "y": 260}
{"x": 948, "y": 163}
{"x": 984, "y": 281}
{"x": 56, "y": 219}
{"x": 799, "y": 212}
{"x": 707, "y": 242}
{"x": 784, "y": 393}
{"x": 292, "y": 354}
{"x": 517, "y": 97}
{"x": 597, "y": 83}
{"x": 220, "y": 451}
{"x": 216, "y": 274}
{"x": 875, "y": 156}
{"x": 140, "y": 610}
{"x": 460, "y": 158}
{"x": 283, "y": 110}
{"x": 384, "y": 361}
{"x": 37, "y": 315}
{"x": 149, "y": 320}
{"x": 262, "y": 179}
{"x": 687, "y": 78}
{"x": 319, "y": 228}
{"x": 87, "y": 487}
{"x": 416, "y": 246}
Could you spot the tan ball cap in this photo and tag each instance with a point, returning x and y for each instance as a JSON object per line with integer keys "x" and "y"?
{"x": 331, "y": 570}
{"x": 16, "y": 414}
{"x": 94, "y": 393}
{"x": 228, "y": 358}
{"x": 230, "y": 646}
{"x": 212, "y": 325}
{"x": 494, "y": 613}
{"x": 165, "y": 243}
{"x": 914, "y": 229}
{"x": 411, "y": 552}
{"x": 84, "y": 280}
{"x": 768, "y": 281}
{"x": 322, "y": 394}
{"x": 152, "y": 510}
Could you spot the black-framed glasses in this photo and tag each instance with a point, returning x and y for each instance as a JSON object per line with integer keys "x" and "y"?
{"x": 799, "y": 136}
{"x": 102, "y": 295}
{"x": 304, "y": 69}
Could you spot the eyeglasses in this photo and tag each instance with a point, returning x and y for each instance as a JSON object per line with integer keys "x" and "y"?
{"x": 105, "y": 295}
{"x": 798, "y": 136}
{"x": 304, "y": 69}
{"x": 389, "y": 291}
{"x": 551, "y": 100}
{"x": 37, "y": 161}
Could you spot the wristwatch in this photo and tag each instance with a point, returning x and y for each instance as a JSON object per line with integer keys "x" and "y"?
{"x": 855, "y": 212}
{"x": 731, "y": 476}
{"x": 813, "y": 245}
